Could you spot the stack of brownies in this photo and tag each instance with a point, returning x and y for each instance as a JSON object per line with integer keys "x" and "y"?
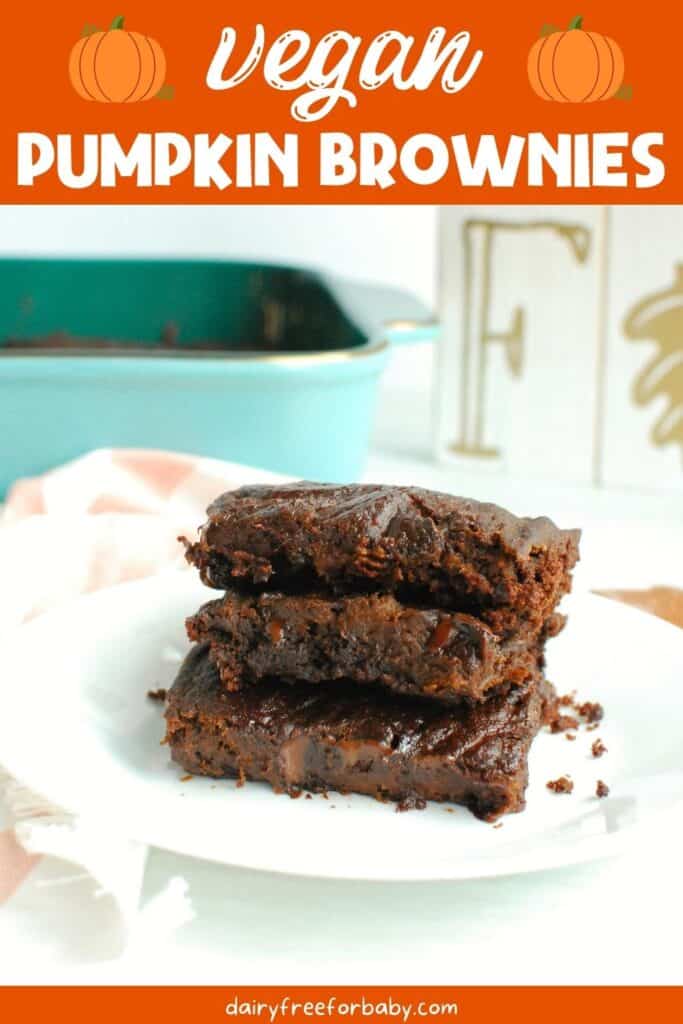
{"x": 379, "y": 640}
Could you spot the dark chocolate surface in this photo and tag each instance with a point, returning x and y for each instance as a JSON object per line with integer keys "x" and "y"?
{"x": 427, "y": 548}
{"x": 355, "y": 739}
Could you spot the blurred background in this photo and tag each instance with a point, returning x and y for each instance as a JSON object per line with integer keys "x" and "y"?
{"x": 391, "y": 244}
{"x": 556, "y": 379}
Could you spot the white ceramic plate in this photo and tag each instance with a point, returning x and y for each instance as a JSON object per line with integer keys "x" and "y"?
{"x": 76, "y": 726}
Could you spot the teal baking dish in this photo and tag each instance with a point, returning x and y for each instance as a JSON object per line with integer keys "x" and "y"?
{"x": 272, "y": 366}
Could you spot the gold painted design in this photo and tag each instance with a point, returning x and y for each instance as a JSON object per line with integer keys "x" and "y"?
{"x": 478, "y": 237}
{"x": 659, "y": 318}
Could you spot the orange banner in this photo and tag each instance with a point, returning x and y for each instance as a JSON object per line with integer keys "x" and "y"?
{"x": 382, "y": 102}
{"x": 278, "y": 1005}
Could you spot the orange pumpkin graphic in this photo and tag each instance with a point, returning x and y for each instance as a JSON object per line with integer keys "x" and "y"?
{"x": 575, "y": 66}
{"x": 117, "y": 66}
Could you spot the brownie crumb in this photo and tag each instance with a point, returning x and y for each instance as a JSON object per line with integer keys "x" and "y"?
{"x": 591, "y": 711}
{"x": 562, "y": 785}
{"x": 598, "y": 748}
{"x": 592, "y": 727}
{"x": 308, "y": 796}
{"x": 186, "y": 778}
{"x": 602, "y": 789}
{"x": 159, "y": 694}
{"x": 571, "y": 736}
{"x": 411, "y": 803}
{"x": 563, "y": 723}
{"x": 499, "y": 824}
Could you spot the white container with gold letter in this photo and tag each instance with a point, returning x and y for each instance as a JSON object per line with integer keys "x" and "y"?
{"x": 561, "y": 354}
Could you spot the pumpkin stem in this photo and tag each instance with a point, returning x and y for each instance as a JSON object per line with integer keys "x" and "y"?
{"x": 116, "y": 23}
{"x": 576, "y": 22}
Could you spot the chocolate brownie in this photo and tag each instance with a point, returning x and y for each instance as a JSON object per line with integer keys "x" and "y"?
{"x": 356, "y": 740}
{"x": 364, "y": 638}
{"x": 428, "y": 549}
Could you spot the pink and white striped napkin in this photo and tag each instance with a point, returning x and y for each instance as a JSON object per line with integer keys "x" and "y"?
{"x": 102, "y": 519}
